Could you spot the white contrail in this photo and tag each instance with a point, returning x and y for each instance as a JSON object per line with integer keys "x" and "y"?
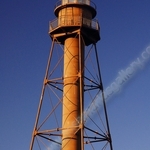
{"x": 124, "y": 75}
{"x": 54, "y": 146}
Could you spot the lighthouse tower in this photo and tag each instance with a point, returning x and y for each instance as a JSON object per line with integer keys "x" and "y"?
{"x": 62, "y": 117}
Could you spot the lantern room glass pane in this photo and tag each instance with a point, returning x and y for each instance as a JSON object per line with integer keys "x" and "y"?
{"x": 76, "y": 1}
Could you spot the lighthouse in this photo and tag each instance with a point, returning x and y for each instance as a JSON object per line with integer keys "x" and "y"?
{"x": 74, "y": 29}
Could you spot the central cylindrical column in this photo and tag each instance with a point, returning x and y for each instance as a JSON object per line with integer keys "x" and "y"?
{"x": 71, "y": 133}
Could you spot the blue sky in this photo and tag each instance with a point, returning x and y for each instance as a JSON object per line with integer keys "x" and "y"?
{"x": 24, "y": 49}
